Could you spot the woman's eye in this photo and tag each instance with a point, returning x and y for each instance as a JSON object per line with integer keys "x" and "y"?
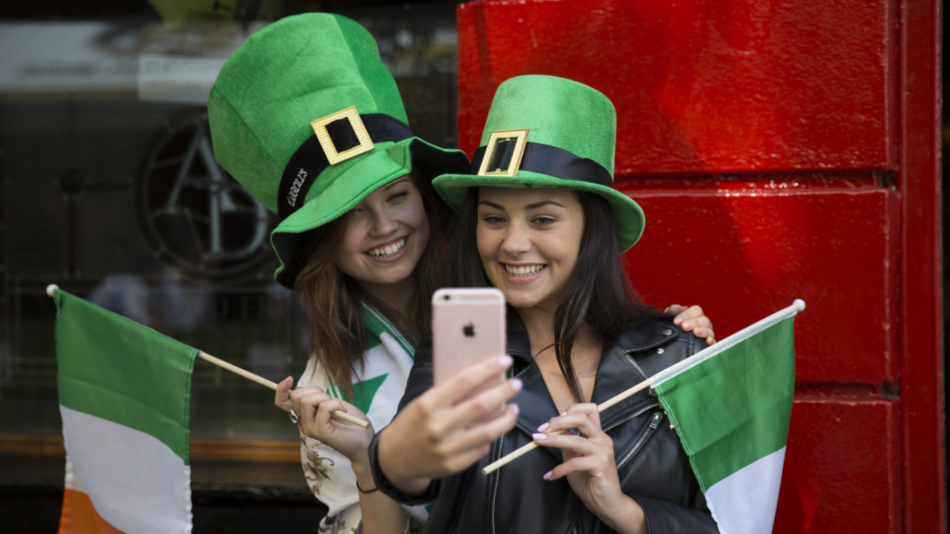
{"x": 354, "y": 212}
{"x": 543, "y": 221}
{"x": 399, "y": 195}
{"x": 493, "y": 220}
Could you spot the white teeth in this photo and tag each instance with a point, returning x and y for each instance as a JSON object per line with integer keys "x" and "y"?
{"x": 523, "y": 270}
{"x": 388, "y": 250}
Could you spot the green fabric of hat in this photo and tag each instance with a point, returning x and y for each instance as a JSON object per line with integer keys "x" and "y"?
{"x": 282, "y": 78}
{"x": 572, "y": 130}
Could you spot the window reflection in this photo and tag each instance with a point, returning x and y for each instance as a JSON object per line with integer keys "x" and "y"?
{"x": 110, "y": 190}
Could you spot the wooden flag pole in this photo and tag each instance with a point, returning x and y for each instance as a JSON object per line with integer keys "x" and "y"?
{"x": 265, "y": 382}
{"x": 51, "y": 291}
{"x": 534, "y": 445}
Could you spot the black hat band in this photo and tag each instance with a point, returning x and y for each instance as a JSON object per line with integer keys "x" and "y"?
{"x": 309, "y": 161}
{"x": 546, "y": 159}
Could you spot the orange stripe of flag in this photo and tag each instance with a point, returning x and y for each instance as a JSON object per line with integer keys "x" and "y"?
{"x": 80, "y": 516}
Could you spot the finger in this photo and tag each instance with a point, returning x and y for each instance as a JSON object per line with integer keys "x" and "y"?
{"x": 477, "y": 436}
{"x": 325, "y": 410}
{"x": 587, "y": 408}
{"x": 710, "y": 340}
{"x": 576, "y": 444}
{"x": 674, "y": 309}
{"x": 580, "y": 421}
{"x": 692, "y": 312}
{"x": 468, "y": 380}
{"x": 577, "y": 464}
{"x": 331, "y": 407}
{"x": 282, "y": 395}
{"x": 306, "y": 418}
{"x": 687, "y": 318}
{"x": 354, "y": 412}
{"x": 480, "y": 405}
{"x": 297, "y": 396}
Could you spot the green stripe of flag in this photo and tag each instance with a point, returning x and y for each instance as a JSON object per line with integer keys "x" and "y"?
{"x": 734, "y": 408}
{"x": 118, "y": 370}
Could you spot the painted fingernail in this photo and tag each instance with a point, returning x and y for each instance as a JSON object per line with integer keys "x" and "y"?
{"x": 539, "y": 437}
{"x": 543, "y": 427}
{"x": 687, "y": 325}
{"x": 516, "y": 384}
{"x": 547, "y": 476}
{"x": 515, "y": 409}
{"x": 678, "y": 320}
{"x": 505, "y": 361}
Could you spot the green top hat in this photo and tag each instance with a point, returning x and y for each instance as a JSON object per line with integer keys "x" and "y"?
{"x": 306, "y": 116}
{"x": 548, "y": 132}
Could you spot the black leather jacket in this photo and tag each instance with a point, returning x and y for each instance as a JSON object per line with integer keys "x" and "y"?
{"x": 652, "y": 467}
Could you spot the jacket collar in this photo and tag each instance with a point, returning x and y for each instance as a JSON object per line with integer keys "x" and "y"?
{"x": 617, "y": 373}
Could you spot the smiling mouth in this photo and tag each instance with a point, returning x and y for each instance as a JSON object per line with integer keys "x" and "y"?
{"x": 388, "y": 250}
{"x": 523, "y": 270}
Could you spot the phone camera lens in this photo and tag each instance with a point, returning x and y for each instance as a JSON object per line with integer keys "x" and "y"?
{"x": 447, "y": 297}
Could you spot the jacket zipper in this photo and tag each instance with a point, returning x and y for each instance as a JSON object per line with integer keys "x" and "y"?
{"x": 638, "y": 413}
{"x": 494, "y": 491}
{"x": 654, "y": 424}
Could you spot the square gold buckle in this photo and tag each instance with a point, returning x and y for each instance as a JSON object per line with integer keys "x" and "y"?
{"x": 504, "y": 135}
{"x": 334, "y": 157}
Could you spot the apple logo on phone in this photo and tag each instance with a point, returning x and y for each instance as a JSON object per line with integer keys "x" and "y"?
{"x": 469, "y": 330}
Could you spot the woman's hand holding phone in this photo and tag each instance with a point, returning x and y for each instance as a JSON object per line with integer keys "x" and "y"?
{"x": 445, "y": 430}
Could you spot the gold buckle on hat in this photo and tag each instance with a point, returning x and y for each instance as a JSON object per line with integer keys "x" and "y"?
{"x": 521, "y": 137}
{"x": 334, "y": 157}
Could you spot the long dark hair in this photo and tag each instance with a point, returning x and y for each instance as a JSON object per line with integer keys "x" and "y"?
{"x": 331, "y": 299}
{"x": 598, "y": 292}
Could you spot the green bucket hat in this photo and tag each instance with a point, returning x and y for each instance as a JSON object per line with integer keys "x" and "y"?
{"x": 308, "y": 119}
{"x": 549, "y": 132}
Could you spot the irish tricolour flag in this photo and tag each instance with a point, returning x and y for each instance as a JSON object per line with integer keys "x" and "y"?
{"x": 123, "y": 396}
{"x": 730, "y": 405}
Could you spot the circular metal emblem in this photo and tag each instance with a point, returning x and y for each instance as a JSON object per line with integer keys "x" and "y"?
{"x": 197, "y": 217}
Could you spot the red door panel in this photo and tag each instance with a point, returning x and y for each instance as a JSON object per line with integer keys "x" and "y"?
{"x": 759, "y": 137}
{"x": 745, "y": 254}
{"x": 729, "y": 85}
{"x": 841, "y": 468}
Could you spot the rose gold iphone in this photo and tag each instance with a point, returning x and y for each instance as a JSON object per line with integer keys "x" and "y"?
{"x": 468, "y": 326}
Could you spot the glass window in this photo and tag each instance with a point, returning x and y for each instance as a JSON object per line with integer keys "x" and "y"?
{"x": 111, "y": 191}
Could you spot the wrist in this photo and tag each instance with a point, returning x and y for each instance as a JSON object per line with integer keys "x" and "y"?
{"x": 409, "y": 486}
{"x": 361, "y": 466}
{"x": 382, "y": 456}
{"x": 628, "y": 517}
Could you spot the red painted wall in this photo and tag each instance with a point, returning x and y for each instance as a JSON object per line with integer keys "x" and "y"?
{"x": 780, "y": 150}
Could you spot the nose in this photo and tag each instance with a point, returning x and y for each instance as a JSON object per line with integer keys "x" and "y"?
{"x": 517, "y": 240}
{"x": 383, "y": 224}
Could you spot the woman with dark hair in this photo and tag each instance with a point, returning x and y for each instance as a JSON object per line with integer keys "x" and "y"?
{"x": 362, "y": 239}
{"x": 541, "y": 222}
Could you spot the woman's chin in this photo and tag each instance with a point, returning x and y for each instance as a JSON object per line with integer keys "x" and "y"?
{"x": 521, "y": 299}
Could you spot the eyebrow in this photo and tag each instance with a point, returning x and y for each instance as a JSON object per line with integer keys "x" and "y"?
{"x": 397, "y": 182}
{"x": 543, "y": 203}
{"x": 534, "y": 206}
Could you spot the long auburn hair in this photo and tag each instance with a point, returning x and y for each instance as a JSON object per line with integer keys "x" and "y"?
{"x": 332, "y": 300}
{"x": 598, "y": 292}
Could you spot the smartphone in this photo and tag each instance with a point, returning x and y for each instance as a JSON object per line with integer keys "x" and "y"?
{"x": 468, "y": 326}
